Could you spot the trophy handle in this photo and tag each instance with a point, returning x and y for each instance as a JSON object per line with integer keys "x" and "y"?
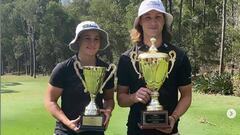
{"x": 113, "y": 67}
{"x": 133, "y": 57}
{"x": 77, "y": 65}
{"x": 172, "y": 55}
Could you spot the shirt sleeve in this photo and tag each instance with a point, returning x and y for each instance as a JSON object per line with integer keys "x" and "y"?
{"x": 184, "y": 72}
{"x": 57, "y": 76}
{"x": 123, "y": 71}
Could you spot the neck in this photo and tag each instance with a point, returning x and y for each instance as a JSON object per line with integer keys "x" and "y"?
{"x": 158, "y": 41}
{"x": 87, "y": 60}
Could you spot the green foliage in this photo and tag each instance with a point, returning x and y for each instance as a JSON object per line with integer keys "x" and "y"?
{"x": 214, "y": 83}
{"x": 21, "y": 47}
{"x": 197, "y": 30}
{"x": 54, "y": 37}
{"x": 236, "y": 85}
{"x": 201, "y": 84}
{"x": 110, "y": 16}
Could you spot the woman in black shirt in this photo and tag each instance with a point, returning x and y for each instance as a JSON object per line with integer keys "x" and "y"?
{"x": 153, "y": 21}
{"x": 65, "y": 83}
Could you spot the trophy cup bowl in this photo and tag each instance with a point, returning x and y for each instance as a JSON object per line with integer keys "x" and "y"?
{"x": 153, "y": 67}
{"x": 93, "y": 82}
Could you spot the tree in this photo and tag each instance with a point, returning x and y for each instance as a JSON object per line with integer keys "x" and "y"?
{"x": 20, "y": 49}
{"x": 28, "y": 11}
{"x": 48, "y": 26}
{"x": 7, "y": 57}
{"x": 110, "y": 16}
{"x": 221, "y": 68}
{"x": 55, "y": 34}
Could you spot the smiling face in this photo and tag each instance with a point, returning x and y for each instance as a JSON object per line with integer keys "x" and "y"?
{"x": 152, "y": 24}
{"x": 89, "y": 43}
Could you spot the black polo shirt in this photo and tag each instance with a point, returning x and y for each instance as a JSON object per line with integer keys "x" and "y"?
{"x": 179, "y": 76}
{"x": 73, "y": 98}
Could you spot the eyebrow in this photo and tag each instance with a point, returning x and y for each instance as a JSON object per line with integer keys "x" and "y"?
{"x": 157, "y": 14}
{"x": 89, "y": 35}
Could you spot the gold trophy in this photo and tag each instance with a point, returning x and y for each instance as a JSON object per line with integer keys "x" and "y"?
{"x": 153, "y": 67}
{"x": 93, "y": 83}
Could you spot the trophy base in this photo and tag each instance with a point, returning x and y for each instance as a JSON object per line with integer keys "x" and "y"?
{"x": 154, "y": 119}
{"x": 92, "y": 123}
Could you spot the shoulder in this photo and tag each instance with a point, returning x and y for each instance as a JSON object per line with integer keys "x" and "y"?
{"x": 127, "y": 53}
{"x": 125, "y": 56}
{"x": 176, "y": 49}
{"x": 180, "y": 53}
{"x": 68, "y": 63}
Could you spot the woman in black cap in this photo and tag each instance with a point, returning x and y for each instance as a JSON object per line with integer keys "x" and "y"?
{"x": 65, "y": 83}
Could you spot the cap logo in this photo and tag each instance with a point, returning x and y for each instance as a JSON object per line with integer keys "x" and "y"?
{"x": 154, "y": 3}
{"x": 90, "y": 26}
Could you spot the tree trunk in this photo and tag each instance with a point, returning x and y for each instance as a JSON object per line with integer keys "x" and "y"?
{"x": 180, "y": 22}
{"x": 2, "y": 66}
{"x": 170, "y": 6}
{"x": 18, "y": 66}
{"x": 192, "y": 40}
{"x": 166, "y": 5}
{"x": 234, "y": 10}
{"x": 31, "y": 48}
{"x": 204, "y": 13}
{"x": 33, "y": 51}
{"x": 193, "y": 4}
{"x": 221, "y": 64}
{"x": 26, "y": 64}
{"x": 1, "y": 62}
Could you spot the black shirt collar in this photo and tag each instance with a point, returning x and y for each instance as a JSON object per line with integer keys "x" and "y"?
{"x": 75, "y": 57}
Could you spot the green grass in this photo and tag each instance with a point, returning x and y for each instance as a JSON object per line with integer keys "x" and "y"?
{"x": 23, "y": 113}
{"x": 207, "y": 116}
{"x": 22, "y": 110}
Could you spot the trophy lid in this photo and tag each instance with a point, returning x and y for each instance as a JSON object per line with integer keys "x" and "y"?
{"x": 153, "y": 52}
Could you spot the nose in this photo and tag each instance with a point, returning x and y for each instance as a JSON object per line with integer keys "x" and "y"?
{"x": 93, "y": 42}
{"x": 153, "y": 21}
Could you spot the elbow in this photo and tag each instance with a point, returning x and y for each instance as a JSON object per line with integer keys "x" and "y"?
{"x": 119, "y": 101}
{"x": 46, "y": 104}
{"x": 120, "y": 104}
{"x": 190, "y": 101}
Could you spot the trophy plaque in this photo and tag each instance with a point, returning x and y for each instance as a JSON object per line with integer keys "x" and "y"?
{"x": 93, "y": 82}
{"x": 153, "y": 67}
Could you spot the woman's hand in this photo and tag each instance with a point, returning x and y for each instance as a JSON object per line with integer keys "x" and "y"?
{"x": 107, "y": 113}
{"x": 143, "y": 95}
{"x": 74, "y": 125}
